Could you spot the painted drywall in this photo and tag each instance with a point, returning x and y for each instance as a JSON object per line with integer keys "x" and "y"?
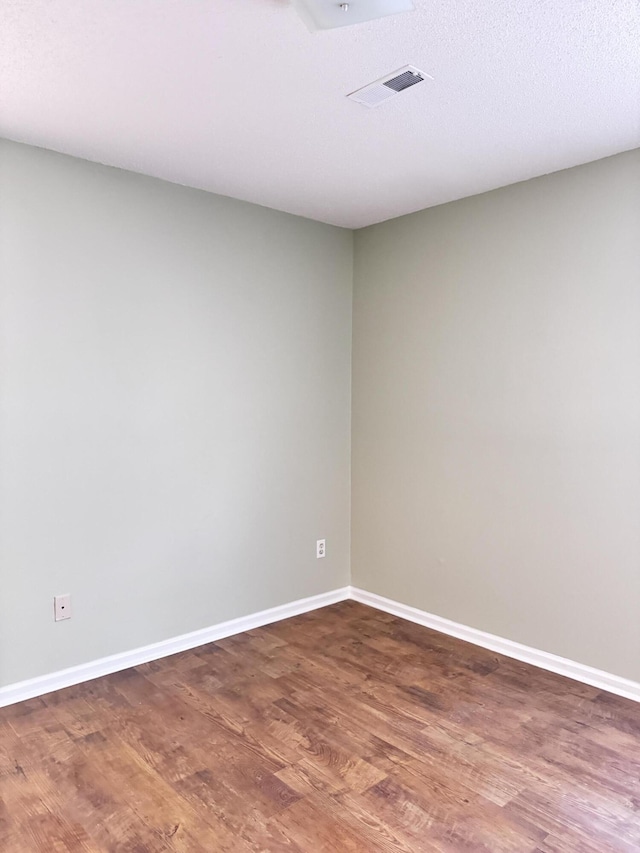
{"x": 174, "y": 409}
{"x": 496, "y": 412}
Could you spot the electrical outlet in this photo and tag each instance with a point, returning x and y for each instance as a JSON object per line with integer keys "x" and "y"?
{"x": 321, "y": 548}
{"x": 62, "y": 607}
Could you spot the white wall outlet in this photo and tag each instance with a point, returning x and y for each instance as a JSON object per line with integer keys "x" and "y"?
{"x": 321, "y": 548}
{"x": 62, "y": 607}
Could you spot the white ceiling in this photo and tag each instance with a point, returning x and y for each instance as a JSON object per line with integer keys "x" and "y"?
{"x": 238, "y": 97}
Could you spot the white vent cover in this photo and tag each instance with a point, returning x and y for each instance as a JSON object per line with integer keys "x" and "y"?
{"x": 389, "y": 86}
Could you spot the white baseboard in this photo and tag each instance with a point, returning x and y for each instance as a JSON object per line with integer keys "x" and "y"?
{"x": 115, "y": 663}
{"x": 562, "y": 666}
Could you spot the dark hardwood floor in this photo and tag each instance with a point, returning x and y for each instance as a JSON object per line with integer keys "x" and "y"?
{"x": 341, "y": 730}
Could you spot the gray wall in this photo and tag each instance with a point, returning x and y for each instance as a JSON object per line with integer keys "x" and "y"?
{"x": 496, "y": 412}
{"x": 174, "y": 409}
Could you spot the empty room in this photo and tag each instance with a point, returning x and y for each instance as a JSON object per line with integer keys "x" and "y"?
{"x": 319, "y": 426}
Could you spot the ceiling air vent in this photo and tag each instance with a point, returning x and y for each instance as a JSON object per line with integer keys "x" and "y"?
{"x": 389, "y": 86}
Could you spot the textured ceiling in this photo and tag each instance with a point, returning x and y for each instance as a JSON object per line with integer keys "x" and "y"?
{"x": 238, "y": 97}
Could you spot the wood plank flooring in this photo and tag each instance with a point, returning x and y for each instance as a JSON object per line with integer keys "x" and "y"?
{"x": 341, "y": 730}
